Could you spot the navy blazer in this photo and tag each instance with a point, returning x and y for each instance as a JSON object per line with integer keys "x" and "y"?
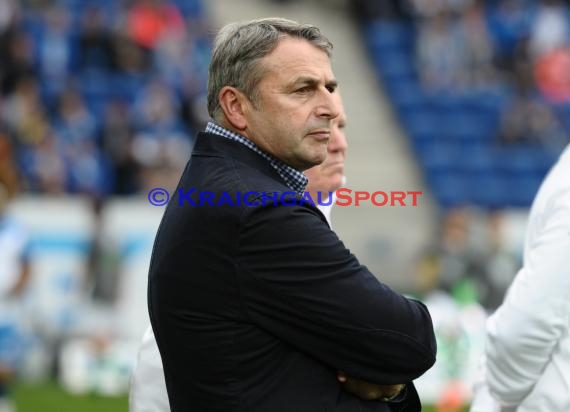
{"x": 256, "y": 304}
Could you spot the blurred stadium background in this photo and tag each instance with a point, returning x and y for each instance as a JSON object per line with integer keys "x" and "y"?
{"x": 465, "y": 100}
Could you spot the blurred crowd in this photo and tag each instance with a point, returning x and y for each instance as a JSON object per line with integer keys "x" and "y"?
{"x": 101, "y": 97}
{"x": 97, "y": 98}
{"x": 522, "y": 49}
{"x": 520, "y": 46}
{"x": 518, "y": 50}
{"x": 483, "y": 90}
{"x": 472, "y": 261}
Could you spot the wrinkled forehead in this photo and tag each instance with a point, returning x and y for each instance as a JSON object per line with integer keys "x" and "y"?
{"x": 295, "y": 57}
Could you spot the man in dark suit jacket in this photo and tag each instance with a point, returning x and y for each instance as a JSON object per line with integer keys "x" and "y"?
{"x": 255, "y": 303}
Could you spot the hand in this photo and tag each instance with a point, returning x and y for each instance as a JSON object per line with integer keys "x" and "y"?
{"x": 368, "y": 391}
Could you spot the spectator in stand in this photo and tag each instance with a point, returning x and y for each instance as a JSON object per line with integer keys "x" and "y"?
{"x": 432, "y": 8}
{"x": 17, "y": 56}
{"x": 509, "y": 23}
{"x": 149, "y": 20}
{"x": 160, "y": 143}
{"x": 179, "y": 60}
{"x": 439, "y": 52}
{"x": 366, "y": 10}
{"x": 470, "y": 256}
{"x": 117, "y": 135}
{"x": 132, "y": 62}
{"x": 156, "y": 108}
{"x": 95, "y": 51}
{"x": 530, "y": 120}
{"x": 88, "y": 170}
{"x": 56, "y": 50}
{"x": 194, "y": 77}
{"x": 8, "y": 172}
{"x": 44, "y": 167}
{"x": 75, "y": 131}
{"x": 454, "y": 47}
{"x": 73, "y": 122}
{"x": 41, "y": 45}
{"x": 24, "y": 113}
{"x": 173, "y": 58}
{"x": 552, "y": 72}
{"x": 551, "y": 27}
{"x": 527, "y": 118}
{"x": 478, "y": 50}
{"x": 9, "y": 13}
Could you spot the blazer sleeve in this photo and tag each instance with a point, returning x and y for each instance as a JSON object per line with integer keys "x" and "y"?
{"x": 304, "y": 286}
{"x": 524, "y": 331}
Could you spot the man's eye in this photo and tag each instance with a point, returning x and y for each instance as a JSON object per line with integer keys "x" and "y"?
{"x": 331, "y": 89}
{"x": 305, "y": 89}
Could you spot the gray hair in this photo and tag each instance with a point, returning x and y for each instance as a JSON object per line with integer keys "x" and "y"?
{"x": 238, "y": 47}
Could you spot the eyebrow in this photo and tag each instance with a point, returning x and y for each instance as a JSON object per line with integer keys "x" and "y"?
{"x": 311, "y": 81}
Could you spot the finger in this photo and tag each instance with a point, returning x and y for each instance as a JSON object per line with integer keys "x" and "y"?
{"x": 341, "y": 376}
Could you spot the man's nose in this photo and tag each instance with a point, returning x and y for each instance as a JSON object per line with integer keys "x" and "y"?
{"x": 337, "y": 142}
{"x": 327, "y": 105}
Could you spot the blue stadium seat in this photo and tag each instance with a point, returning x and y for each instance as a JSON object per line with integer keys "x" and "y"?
{"x": 462, "y": 124}
{"x": 394, "y": 65}
{"x": 420, "y": 122}
{"x": 382, "y": 35}
{"x": 439, "y": 158}
{"x": 190, "y": 8}
{"x": 406, "y": 95}
{"x": 523, "y": 189}
{"x": 476, "y": 158}
{"x": 449, "y": 189}
{"x": 125, "y": 87}
{"x": 95, "y": 83}
{"x": 518, "y": 160}
{"x": 563, "y": 114}
{"x": 488, "y": 190}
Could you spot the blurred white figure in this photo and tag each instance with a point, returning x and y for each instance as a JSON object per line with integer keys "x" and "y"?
{"x": 14, "y": 276}
{"x": 551, "y": 29}
{"x": 526, "y": 367}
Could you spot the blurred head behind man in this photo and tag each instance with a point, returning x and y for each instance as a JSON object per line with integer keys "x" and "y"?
{"x": 329, "y": 175}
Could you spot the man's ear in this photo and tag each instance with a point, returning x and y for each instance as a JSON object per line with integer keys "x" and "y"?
{"x": 233, "y": 102}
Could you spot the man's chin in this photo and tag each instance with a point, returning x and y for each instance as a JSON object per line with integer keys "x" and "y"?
{"x": 316, "y": 160}
{"x": 336, "y": 182}
{"x": 335, "y": 173}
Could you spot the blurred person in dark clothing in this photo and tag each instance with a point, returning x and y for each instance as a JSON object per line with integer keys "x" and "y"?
{"x": 17, "y": 56}
{"x": 148, "y": 388}
{"x": 95, "y": 51}
{"x": 262, "y": 307}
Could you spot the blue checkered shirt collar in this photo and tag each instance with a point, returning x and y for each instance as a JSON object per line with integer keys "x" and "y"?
{"x": 294, "y": 179}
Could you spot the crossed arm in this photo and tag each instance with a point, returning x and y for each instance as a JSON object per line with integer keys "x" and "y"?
{"x": 315, "y": 295}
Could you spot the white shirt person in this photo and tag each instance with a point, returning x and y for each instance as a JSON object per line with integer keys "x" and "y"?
{"x": 526, "y": 367}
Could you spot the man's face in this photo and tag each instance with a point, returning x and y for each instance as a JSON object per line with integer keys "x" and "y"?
{"x": 291, "y": 119}
{"x": 328, "y": 176}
